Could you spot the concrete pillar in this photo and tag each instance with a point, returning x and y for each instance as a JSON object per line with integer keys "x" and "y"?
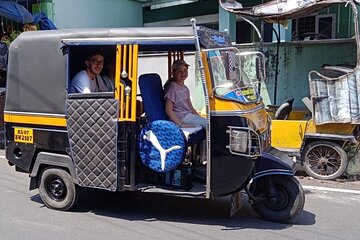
{"x": 227, "y": 21}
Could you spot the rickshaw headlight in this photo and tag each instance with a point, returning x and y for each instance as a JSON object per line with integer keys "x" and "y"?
{"x": 238, "y": 141}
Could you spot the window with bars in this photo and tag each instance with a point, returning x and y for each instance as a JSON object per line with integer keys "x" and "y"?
{"x": 314, "y": 27}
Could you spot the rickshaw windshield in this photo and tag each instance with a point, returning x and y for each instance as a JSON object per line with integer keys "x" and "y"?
{"x": 235, "y": 75}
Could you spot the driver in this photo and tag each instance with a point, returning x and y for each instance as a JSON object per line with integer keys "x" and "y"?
{"x": 88, "y": 80}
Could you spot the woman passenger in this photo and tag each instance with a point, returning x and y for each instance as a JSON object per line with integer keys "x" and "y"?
{"x": 178, "y": 105}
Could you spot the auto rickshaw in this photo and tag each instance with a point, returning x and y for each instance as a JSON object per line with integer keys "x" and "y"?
{"x": 325, "y": 133}
{"x": 68, "y": 141}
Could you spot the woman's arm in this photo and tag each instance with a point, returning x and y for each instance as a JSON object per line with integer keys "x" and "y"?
{"x": 193, "y": 110}
{"x": 169, "y": 111}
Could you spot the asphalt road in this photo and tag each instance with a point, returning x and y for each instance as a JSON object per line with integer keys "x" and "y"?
{"x": 329, "y": 213}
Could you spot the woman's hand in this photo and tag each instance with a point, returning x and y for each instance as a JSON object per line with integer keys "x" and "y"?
{"x": 185, "y": 125}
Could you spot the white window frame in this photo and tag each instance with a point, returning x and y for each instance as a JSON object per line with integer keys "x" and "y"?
{"x": 333, "y": 23}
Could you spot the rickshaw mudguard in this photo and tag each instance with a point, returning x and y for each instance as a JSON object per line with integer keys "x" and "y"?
{"x": 274, "y": 162}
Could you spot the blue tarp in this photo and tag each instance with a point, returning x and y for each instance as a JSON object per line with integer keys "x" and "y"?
{"x": 18, "y": 13}
{"x": 44, "y": 22}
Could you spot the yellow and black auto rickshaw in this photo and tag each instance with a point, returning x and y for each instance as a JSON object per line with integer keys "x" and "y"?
{"x": 67, "y": 141}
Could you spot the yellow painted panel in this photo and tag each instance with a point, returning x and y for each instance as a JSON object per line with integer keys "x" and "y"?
{"x": 39, "y": 120}
{"x": 298, "y": 115}
{"x": 287, "y": 133}
{"x": 331, "y": 128}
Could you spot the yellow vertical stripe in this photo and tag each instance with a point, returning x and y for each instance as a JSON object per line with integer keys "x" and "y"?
{"x": 207, "y": 74}
{"x": 130, "y": 62}
{"x": 119, "y": 87}
{"x": 134, "y": 82}
{"x": 124, "y": 57}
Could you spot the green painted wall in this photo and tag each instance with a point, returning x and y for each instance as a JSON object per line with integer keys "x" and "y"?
{"x": 95, "y": 13}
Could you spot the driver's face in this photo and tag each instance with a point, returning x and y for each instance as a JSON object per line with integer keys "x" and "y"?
{"x": 95, "y": 64}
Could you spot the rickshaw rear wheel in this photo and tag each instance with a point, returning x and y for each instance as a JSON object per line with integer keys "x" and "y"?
{"x": 324, "y": 160}
{"x": 282, "y": 197}
{"x": 57, "y": 189}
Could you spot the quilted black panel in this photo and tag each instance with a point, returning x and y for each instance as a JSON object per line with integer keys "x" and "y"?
{"x": 92, "y": 128}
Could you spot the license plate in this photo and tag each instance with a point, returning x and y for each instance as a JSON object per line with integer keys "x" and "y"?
{"x": 24, "y": 135}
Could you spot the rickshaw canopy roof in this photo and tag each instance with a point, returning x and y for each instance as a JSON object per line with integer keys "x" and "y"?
{"x": 37, "y": 67}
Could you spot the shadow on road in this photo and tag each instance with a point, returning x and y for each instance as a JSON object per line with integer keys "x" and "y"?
{"x": 137, "y": 206}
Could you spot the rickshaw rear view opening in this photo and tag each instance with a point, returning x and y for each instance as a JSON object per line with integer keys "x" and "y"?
{"x": 68, "y": 141}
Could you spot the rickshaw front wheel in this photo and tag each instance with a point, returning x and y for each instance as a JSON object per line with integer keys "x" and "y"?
{"x": 57, "y": 189}
{"x": 282, "y": 197}
{"x": 324, "y": 160}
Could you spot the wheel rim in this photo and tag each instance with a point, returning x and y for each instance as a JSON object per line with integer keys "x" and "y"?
{"x": 323, "y": 160}
{"x": 56, "y": 189}
{"x": 280, "y": 201}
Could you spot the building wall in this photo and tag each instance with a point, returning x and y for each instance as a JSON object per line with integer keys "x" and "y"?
{"x": 95, "y": 13}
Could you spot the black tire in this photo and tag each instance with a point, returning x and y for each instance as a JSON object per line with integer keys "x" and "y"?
{"x": 287, "y": 202}
{"x": 324, "y": 160}
{"x": 57, "y": 189}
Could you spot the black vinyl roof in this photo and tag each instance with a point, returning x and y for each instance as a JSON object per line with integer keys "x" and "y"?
{"x": 37, "y": 65}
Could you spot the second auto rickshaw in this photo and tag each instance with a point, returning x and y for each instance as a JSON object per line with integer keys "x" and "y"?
{"x": 325, "y": 134}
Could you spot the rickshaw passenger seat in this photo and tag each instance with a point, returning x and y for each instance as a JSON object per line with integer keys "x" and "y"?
{"x": 152, "y": 94}
{"x": 283, "y": 112}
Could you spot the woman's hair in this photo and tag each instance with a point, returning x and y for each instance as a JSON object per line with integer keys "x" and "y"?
{"x": 166, "y": 85}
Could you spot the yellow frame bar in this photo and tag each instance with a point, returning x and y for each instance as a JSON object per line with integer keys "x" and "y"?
{"x": 134, "y": 82}
{"x": 120, "y": 88}
{"x": 126, "y": 59}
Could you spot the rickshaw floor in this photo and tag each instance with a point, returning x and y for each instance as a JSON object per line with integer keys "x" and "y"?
{"x": 197, "y": 190}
